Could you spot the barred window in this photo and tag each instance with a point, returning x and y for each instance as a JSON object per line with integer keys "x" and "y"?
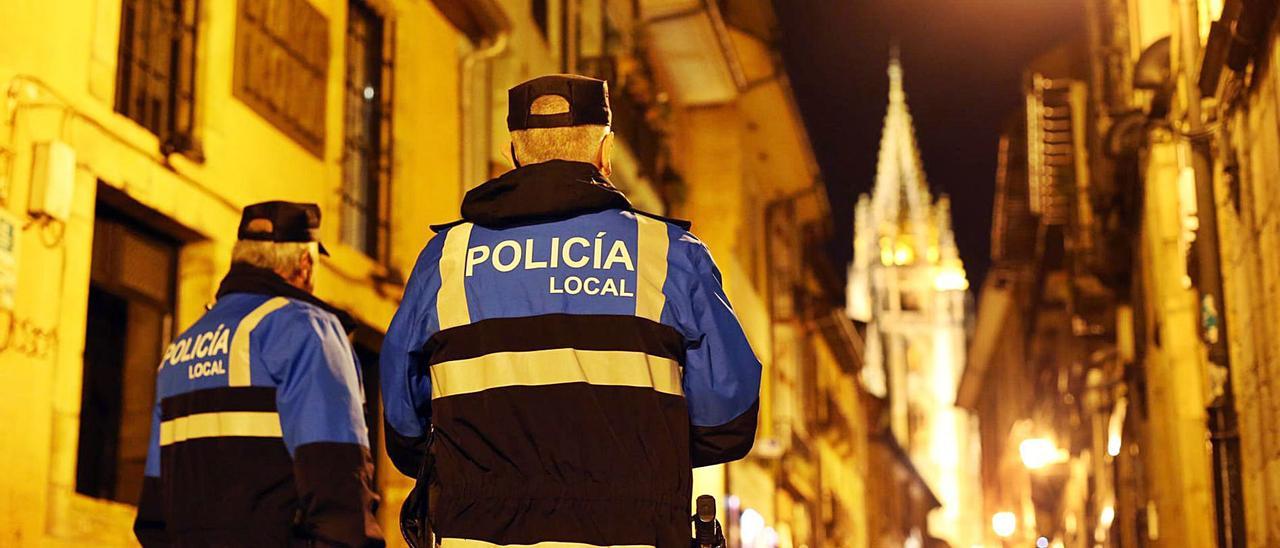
{"x": 366, "y": 154}
{"x": 155, "y": 80}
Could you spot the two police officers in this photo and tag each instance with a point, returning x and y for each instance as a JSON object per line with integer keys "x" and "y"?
{"x": 258, "y": 436}
{"x": 561, "y": 360}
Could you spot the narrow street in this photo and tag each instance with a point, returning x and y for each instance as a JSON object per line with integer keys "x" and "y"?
{"x": 1009, "y": 270}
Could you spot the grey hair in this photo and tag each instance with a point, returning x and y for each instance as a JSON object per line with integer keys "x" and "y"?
{"x": 282, "y": 257}
{"x": 577, "y": 143}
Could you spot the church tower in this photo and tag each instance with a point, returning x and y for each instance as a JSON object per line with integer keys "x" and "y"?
{"x": 908, "y": 285}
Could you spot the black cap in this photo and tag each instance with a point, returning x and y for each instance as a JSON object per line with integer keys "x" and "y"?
{"x": 279, "y": 221}
{"x": 588, "y": 102}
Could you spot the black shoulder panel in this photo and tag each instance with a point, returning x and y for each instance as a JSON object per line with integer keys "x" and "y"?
{"x": 445, "y": 226}
{"x": 678, "y": 222}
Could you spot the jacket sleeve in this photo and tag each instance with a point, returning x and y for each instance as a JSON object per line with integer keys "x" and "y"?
{"x": 320, "y": 401}
{"x": 722, "y": 374}
{"x": 406, "y": 382}
{"x": 149, "y": 525}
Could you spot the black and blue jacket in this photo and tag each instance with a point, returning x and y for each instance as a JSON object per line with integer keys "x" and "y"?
{"x": 258, "y": 436}
{"x": 573, "y": 359}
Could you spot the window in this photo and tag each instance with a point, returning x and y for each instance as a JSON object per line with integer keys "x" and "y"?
{"x": 155, "y": 83}
{"x": 282, "y": 67}
{"x": 131, "y": 301}
{"x": 367, "y": 142}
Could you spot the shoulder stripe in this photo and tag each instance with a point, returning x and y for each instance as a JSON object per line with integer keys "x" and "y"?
{"x": 451, "y": 301}
{"x": 557, "y": 366}
{"x": 238, "y": 369}
{"x": 651, "y": 272}
{"x": 252, "y": 424}
{"x": 550, "y": 331}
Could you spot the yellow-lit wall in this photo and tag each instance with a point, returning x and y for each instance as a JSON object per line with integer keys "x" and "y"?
{"x": 1175, "y": 363}
{"x": 58, "y": 66}
{"x": 709, "y": 155}
{"x": 1246, "y": 139}
{"x": 727, "y": 188}
{"x": 1249, "y": 231}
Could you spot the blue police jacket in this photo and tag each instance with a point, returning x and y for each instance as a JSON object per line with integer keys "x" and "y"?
{"x": 258, "y": 436}
{"x": 570, "y": 359}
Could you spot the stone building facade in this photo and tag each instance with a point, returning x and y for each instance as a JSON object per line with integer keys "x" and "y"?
{"x": 1154, "y": 137}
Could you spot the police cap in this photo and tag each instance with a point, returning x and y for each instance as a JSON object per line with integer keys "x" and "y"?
{"x": 280, "y": 221}
{"x": 588, "y": 100}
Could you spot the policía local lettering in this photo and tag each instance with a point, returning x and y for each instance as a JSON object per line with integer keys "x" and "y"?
{"x": 599, "y": 253}
{"x": 197, "y": 346}
{"x": 591, "y": 285}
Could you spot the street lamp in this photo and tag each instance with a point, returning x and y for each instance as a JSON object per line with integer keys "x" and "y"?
{"x": 1038, "y": 453}
{"x": 1004, "y": 523}
{"x": 750, "y": 526}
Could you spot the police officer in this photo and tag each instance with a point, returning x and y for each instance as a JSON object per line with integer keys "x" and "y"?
{"x": 258, "y": 437}
{"x": 561, "y": 359}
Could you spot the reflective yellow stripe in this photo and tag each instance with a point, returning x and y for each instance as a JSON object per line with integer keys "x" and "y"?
{"x": 255, "y": 424}
{"x": 555, "y": 366}
{"x": 238, "y": 370}
{"x": 468, "y": 543}
{"x": 451, "y": 301}
{"x": 651, "y": 272}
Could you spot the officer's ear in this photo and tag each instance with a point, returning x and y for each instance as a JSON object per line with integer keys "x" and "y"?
{"x": 605, "y": 160}
{"x": 304, "y": 279}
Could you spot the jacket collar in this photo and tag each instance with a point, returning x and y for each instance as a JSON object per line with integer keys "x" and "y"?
{"x": 540, "y": 193}
{"x": 245, "y": 278}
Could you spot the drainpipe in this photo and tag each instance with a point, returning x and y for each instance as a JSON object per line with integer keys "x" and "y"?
{"x": 490, "y": 48}
{"x": 1223, "y": 432}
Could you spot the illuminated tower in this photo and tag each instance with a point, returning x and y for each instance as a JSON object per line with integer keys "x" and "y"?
{"x": 908, "y": 285}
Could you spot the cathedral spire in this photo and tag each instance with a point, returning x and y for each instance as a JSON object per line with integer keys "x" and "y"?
{"x": 896, "y": 95}
{"x": 901, "y": 197}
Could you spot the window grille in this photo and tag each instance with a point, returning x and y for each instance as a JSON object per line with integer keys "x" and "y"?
{"x": 155, "y": 80}
{"x": 366, "y": 154}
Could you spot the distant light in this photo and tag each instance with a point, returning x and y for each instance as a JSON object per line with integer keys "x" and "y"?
{"x": 769, "y": 537}
{"x": 1042, "y": 542}
{"x": 903, "y": 255}
{"x": 913, "y": 541}
{"x": 750, "y": 526}
{"x": 1115, "y": 427}
{"x": 1107, "y": 516}
{"x": 368, "y": 93}
{"x": 1038, "y": 453}
{"x": 1004, "y": 523}
{"x": 950, "y": 279}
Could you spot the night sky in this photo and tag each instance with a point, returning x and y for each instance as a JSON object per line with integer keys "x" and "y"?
{"x": 962, "y": 61}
